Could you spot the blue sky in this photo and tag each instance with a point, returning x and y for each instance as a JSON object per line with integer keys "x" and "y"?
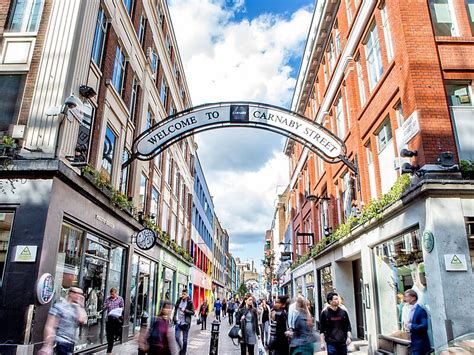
{"x": 234, "y": 51}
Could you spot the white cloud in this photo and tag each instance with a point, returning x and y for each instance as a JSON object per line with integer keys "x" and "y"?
{"x": 229, "y": 60}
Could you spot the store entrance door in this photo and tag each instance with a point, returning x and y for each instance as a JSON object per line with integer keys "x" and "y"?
{"x": 359, "y": 306}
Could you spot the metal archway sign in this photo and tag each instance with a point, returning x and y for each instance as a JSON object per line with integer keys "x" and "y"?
{"x": 239, "y": 114}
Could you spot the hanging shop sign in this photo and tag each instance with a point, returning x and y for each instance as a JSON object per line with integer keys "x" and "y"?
{"x": 25, "y": 253}
{"x": 146, "y": 239}
{"x": 239, "y": 114}
{"x": 45, "y": 288}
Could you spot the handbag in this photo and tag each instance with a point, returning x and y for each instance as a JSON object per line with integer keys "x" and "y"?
{"x": 199, "y": 320}
{"x": 234, "y": 332}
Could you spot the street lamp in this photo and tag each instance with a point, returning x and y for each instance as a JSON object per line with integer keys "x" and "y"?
{"x": 314, "y": 198}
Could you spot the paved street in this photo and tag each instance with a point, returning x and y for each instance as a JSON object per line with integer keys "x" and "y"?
{"x": 199, "y": 341}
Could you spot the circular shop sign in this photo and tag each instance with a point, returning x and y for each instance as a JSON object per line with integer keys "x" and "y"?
{"x": 45, "y": 288}
{"x": 428, "y": 241}
{"x": 146, "y": 239}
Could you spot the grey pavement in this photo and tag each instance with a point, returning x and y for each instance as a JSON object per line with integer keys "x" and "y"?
{"x": 199, "y": 341}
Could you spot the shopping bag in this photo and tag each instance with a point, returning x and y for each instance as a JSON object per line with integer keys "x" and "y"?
{"x": 261, "y": 348}
{"x": 199, "y": 320}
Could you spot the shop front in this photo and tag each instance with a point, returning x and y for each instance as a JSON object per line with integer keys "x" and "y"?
{"x": 304, "y": 282}
{"x": 174, "y": 277}
{"x": 200, "y": 286}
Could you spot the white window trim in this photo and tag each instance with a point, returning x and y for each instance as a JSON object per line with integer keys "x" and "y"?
{"x": 387, "y": 33}
{"x": 26, "y": 18}
{"x": 360, "y": 80}
{"x": 373, "y": 52}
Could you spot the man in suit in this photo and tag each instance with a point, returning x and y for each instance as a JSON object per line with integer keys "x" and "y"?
{"x": 417, "y": 325}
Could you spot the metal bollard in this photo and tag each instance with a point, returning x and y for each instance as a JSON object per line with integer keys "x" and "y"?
{"x": 214, "y": 346}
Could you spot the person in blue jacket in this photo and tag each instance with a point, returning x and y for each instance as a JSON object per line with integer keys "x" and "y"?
{"x": 417, "y": 325}
{"x": 218, "y": 308}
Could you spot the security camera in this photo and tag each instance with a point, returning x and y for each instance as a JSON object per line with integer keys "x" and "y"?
{"x": 405, "y": 153}
{"x": 72, "y": 102}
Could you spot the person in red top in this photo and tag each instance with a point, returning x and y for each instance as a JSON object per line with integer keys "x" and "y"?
{"x": 158, "y": 338}
{"x": 335, "y": 327}
{"x": 203, "y": 311}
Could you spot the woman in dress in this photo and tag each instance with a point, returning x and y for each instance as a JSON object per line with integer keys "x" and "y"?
{"x": 249, "y": 327}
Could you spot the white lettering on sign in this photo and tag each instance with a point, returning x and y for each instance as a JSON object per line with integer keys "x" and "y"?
{"x": 25, "y": 253}
{"x": 455, "y": 262}
{"x": 410, "y": 127}
{"x": 239, "y": 114}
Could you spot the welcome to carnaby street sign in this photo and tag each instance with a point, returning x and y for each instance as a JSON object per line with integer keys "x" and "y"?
{"x": 239, "y": 114}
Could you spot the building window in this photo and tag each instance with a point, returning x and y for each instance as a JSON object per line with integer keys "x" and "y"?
{"x": 177, "y": 181}
{"x": 470, "y": 14}
{"x": 384, "y": 135}
{"x": 125, "y": 173}
{"x": 459, "y": 94}
{"x": 25, "y": 15}
{"x": 6, "y": 222}
{"x": 109, "y": 152}
{"x": 143, "y": 190}
{"x": 443, "y": 22}
{"x": 172, "y": 110}
{"x": 349, "y": 11}
{"x": 168, "y": 45}
{"x": 337, "y": 40}
{"x": 155, "y": 200}
{"x": 399, "y": 267}
{"x": 95, "y": 265}
{"x": 164, "y": 91}
{"x": 150, "y": 119}
{"x": 133, "y": 101}
{"x": 325, "y": 284}
{"x": 387, "y": 33}
{"x": 168, "y": 168}
{"x": 360, "y": 80}
{"x": 340, "y": 120}
{"x": 141, "y": 31}
{"x": 374, "y": 57}
{"x": 119, "y": 70}
{"x": 399, "y": 112}
{"x": 331, "y": 55}
{"x": 165, "y": 217}
{"x": 129, "y": 6}
{"x": 153, "y": 62}
{"x": 11, "y": 87}
{"x": 371, "y": 167}
{"x": 470, "y": 238}
{"x": 99, "y": 38}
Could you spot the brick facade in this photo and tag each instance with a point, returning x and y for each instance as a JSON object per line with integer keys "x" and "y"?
{"x": 414, "y": 78}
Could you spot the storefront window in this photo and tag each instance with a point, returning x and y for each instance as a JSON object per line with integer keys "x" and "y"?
{"x": 6, "y": 221}
{"x": 325, "y": 284}
{"x": 167, "y": 285}
{"x": 309, "y": 281}
{"x": 142, "y": 295}
{"x": 399, "y": 267}
{"x": 94, "y": 265}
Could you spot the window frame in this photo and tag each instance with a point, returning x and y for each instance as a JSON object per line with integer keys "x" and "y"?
{"x": 101, "y": 27}
{"x": 26, "y": 17}
{"x": 8, "y": 242}
{"x": 388, "y": 137}
{"x": 387, "y": 33}
{"x": 118, "y": 73}
{"x": 373, "y": 56}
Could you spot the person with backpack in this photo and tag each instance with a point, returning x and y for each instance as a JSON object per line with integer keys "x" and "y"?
{"x": 203, "y": 312}
{"x": 231, "y": 310}
{"x": 158, "y": 336}
{"x": 217, "y": 309}
{"x": 183, "y": 312}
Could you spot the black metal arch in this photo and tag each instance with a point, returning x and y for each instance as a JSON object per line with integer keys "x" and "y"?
{"x": 239, "y": 114}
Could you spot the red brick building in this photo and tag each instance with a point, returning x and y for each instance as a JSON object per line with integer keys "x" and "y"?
{"x": 385, "y": 76}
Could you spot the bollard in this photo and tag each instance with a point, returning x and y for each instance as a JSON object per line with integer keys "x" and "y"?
{"x": 214, "y": 346}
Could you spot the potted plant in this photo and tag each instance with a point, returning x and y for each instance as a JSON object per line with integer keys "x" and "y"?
{"x": 7, "y": 146}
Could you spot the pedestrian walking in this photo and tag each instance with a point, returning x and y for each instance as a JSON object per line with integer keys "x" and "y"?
{"x": 248, "y": 318}
{"x": 62, "y": 322}
{"x": 417, "y": 325}
{"x": 335, "y": 327}
{"x": 113, "y": 307}
{"x": 231, "y": 310}
{"x": 278, "y": 344}
{"x": 217, "y": 309}
{"x": 302, "y": 336}
{"x": 159, "y": 342}
{"x": 264, "y": 320}
{"x": 224, "y": 308}
{"x": 203, "y": 312}
{"x": 183, "y": 311}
